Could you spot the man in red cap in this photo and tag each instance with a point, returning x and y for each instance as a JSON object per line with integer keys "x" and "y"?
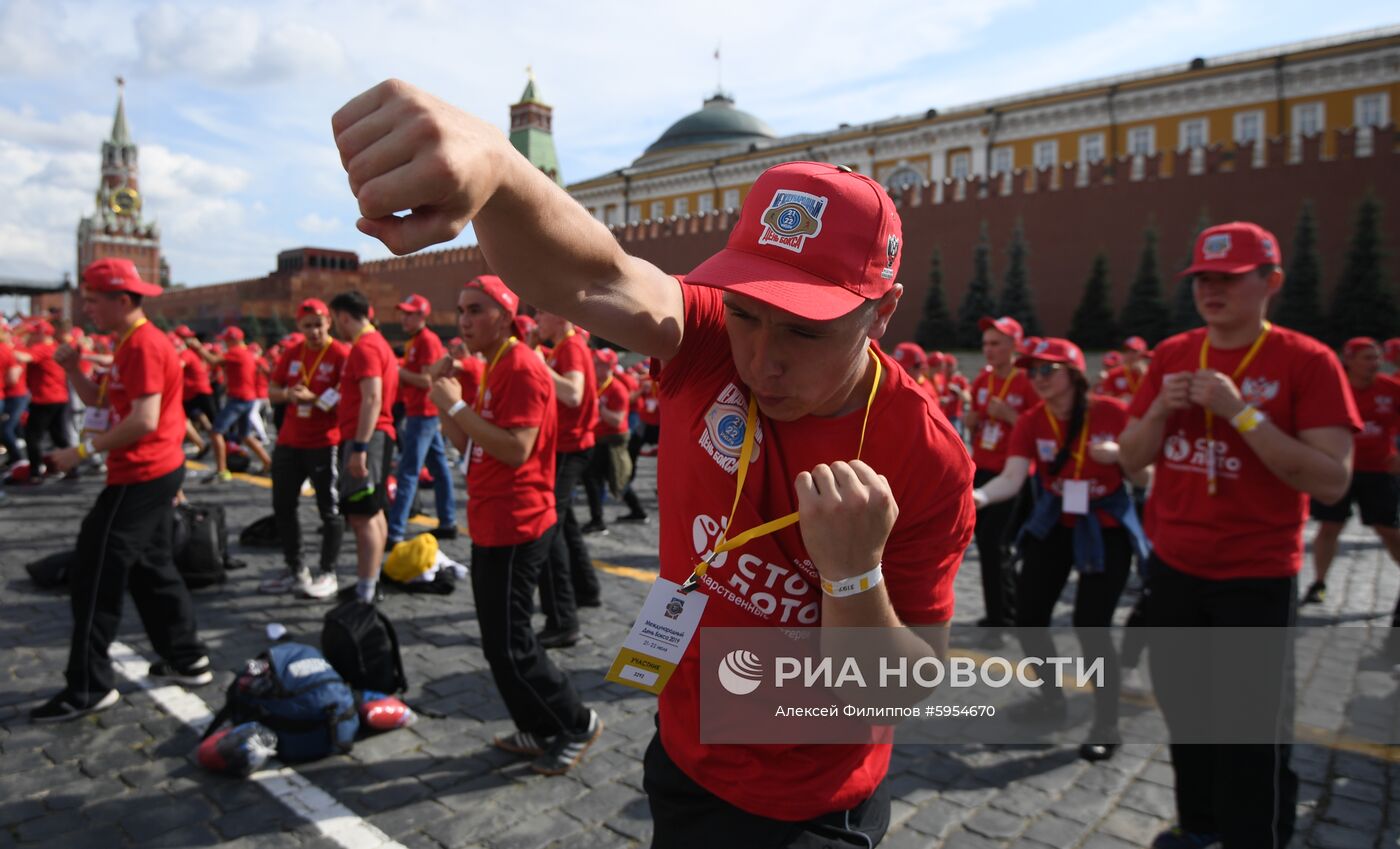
{"x": 610, "y": 466}
{"x": 914, "y": 361}
{"x": 1242, "y": 422}
{"x": 306, "y": 380}
{"x": 570, "y": 582}
{"x": 368, "y": 383}
{"x": 134, "y": 417}
{"x": 199, "y": 392}
{"x": 235, "y": 417}
{"x": 1375, "y": 489}
{"x": 49, "y": 412}
{"x": 1123, "y": 379}
{"x": 999, "y": 395}
{"x": 765, "y": 354}
{"x": 420, "y": 437}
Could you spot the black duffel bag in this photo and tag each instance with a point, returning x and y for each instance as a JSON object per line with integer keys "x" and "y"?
{"x": 199, "y": 543}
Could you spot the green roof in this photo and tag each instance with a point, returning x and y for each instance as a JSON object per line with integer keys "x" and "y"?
{"x": 718, "y": 122}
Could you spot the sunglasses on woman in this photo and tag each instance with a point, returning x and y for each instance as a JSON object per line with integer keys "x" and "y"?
{"x": 1044, "y": 369}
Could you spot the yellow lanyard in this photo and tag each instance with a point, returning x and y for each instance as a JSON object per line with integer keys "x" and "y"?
{"x": 604, "y": 387}
{"x": 486, "y": 372}
{"x": 408, "y": 347}
{"x": 1211, "y": 485}
{"x": 306, "y": 375}
{"x": 1131, "y": 374}
{"x": 725, "y": 543}
{"x": 992, "y": 379}
{"x": 369, "y": 327}
{"x": 1083, "y": 441}
{"x": 102, "y": 387}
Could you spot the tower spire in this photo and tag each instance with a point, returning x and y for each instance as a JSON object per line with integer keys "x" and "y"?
{"x": 121, "y": 136}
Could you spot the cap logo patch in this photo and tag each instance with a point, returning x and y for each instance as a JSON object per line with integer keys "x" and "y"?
{"x": 791, "y": 219}
{"x": 1216, "y": 246}
{"x": 1267, "y": 246}
{"x": 891, "y": 251}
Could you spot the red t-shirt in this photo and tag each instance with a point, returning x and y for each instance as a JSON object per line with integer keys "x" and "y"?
{"x": 614, "y": 397}
{"x": 424, "y": 349}
{"x": 370, "y": 356}
{"x": 576, "y": 423}
{"x": 7, "y": 360}
{"x": 469, "y": 375}
{"x": 1035, "y": 439}
{"x": 991, "y": 436}
{"x": 196, "y": 375}
{"x": 262, "y": 369}
{"x": 1379, "y": 406}
{"x": 144, "y": 365}
{"x": 307, "y": 425}
{"x": 950, "y": 401}
{"x": 1121, "y": 383}
{"x": 48, "y": 384}
{"x": 20, "y": 385}
{"x": 628, "y": 380}
{"x": 770, "y": 582}
{"x": 649, "y": 401}
{"x": 514, "y": 505}
{"x": 238, "y": 368}
{"x": 1253, "y": 526}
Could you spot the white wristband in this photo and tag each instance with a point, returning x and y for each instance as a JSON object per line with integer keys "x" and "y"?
{"x": 456, "y": 408}
{"x": 853, "y": 586}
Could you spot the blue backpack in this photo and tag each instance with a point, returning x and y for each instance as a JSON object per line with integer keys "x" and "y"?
{"x": 293, "y": 690}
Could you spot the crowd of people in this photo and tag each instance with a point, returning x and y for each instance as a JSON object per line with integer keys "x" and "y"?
{"x": 858, "y": 477}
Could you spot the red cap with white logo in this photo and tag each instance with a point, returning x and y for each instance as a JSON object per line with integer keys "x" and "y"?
{"x": 415, "y": 304}
{"x": 1052, "y": 350}
{"x": 117, "y": 275}
{"x": 1006, "y": 325}
{"x": 232, "y": 333}
{"x": 1233, "y": 248}
{"x": 313, "y": 306}
{"x": 496, "y": 289}
{"x": 910, "y": 355}
{"x": 1136, "y": 344}
{"x": 813, "y": 239}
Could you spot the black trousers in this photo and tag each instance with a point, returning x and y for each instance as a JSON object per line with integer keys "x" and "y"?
{"x": 570, "y": 577}
{"x": 1045, "y": 568}
{"x": 686, "y": 815}
{"x": 124, "y": 544}
{"x": 291, "y": 467}
{"x": 54, "y": 420}
{"x": 1245, "y": 793}
{"x": 997, "y": 525}
{"x": 540, "y": 698}
{"x": 599, "y": 472}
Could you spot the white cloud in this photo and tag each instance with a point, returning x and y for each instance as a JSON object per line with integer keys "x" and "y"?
{"x": 231, "y": 45}
{"x": 317, "y": 225}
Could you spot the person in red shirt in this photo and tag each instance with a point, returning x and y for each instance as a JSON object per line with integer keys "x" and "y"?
{"x": 262, "y": 373}
{"x": 610, "y": 466}
{"x": 777, "y": 324}
{"x": 235, "y": 417}
{"x": 136, "y": 418}
{"x": 1375, "y": 489}
{"x": 420, "y": 438}
{"x": 1083, "y": 521}
{"x": 199, "y": 392}
{"x": 957, "y": 392}
{"x": 1392, "y": 351}
{"x": 999, "y": 395}
{"x": 16, "y": 394}
{"x": 1123, "y": 380}
{"x": 1242, "y": 421}
{"x": 914, "y": 361}
{"x": 307, "y": 380}
{"x": 368, "y": 384}
{"x": 508, "y": 432}
{"x": 49, "y": 412}
{"x": 570, "y": 582}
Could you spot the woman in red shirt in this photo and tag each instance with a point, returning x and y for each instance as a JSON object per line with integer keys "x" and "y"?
{"x": 610, "y": 465}
{"x": 49, "y": 412}
{"x": 1083, "y": 520}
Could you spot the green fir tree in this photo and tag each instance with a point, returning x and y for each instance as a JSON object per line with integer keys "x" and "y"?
{"x": 978, "y": 300}
{"x": 1016, "y": 291}
{"x": 1299, "y": 305}
{"x": 935, "y": 329}
{"x": 1093, "y": 327}
{"x": 1144, "y": 314}
{"x": 1184, "y": 314}
{"x": 1363, "y": 304}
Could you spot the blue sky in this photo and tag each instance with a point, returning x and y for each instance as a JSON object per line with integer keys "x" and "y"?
{"x": 231, "y": 104}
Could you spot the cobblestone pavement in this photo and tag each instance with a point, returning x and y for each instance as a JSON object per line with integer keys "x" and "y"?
{"x": 126, "y": 776}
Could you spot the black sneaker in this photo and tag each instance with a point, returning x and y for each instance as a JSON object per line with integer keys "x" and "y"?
{"x": 557, "y": 638}
{"x": 1177, "y": 837}
{"x": 1316, "y": 594}
{"x": 595, "y": 527}
{"x": 1094, "y": 752}
{"x": 196, "y": 674}
{"x": 445, "y": 532}
{"x": 588, "y": 602}
{"x": 522, "y": 743}
{"x": 567, "y": 749}
{"x": 640, "y": 518}
{"x": 64, "y": 707}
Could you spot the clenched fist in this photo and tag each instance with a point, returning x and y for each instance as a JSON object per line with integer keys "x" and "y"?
{"x": 1216, "y": 392}
{"x": 845, "y": 511}
{"x": 445, "y": 393}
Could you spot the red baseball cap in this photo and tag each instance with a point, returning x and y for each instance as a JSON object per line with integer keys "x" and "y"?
{"x": 524, "y": 326}
{"x": 313, "y": 306}
{"x": 1136, "y": 344}
{"x": 1392, "y": 349}
{"x": 1359, "y": 343}
{"x": 1006, "y": 325}
{"x": 606, "y": 356}
{"x": 813, "y": 239}
{"x": 117, "y": 275}
{"x": 293, "y": 339}
{"x": 455, "y": 341}
{"x": 40, "y": 326}
{"x": 233, "y": 333}
{"x": 415, "y": 304}
{"x": 496, "y": 289}
{"x": 1052, "y": 350}
{"x": 1112, "y": 359}
{"x": 910, "y": 355}
{"x": 184, "y": 332}
{"x": 1233, "y": 248}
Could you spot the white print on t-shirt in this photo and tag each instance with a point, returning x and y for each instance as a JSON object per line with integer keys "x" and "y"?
{"x": 293, "y": 368}
{"x": 725, "y": 423}
{"x": 981, "y": 395}
{"x": 1384, "y": 403}
{"x": 1184, "y": 456}
{"x": 1257, "y": 390}
{"x": 781, "y": 594}
{"x": 1046, "y": 449}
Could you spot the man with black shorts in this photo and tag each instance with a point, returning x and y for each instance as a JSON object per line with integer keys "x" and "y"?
{"x": 1375, "y": 489}
{"x": 368, "y": 384}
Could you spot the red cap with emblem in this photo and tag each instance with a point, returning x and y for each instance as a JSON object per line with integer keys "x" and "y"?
{"x": 813, "y": 239}
{"x": 1112, "y": 359}
{"x": 1233, "y": 248}
{"x": 1136, "y": 344}
{"x": 415, "y": 304}
{"x": 1052, "y": 350}
{"x": 234, "y": 334}
{"x": 910, "y": 356}
{"x": 1359, "y": 343}
{"x": 1006, "y": 325}
{"x": 184, "y": 332}
{"x": 313, "y": 306}
{"x": 117, "y": 275}
{"x": 606, "y": 356}
{"x": 495, "y": 289}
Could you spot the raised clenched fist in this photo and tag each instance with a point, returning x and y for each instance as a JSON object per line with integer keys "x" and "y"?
{"x": 846, "y": 512}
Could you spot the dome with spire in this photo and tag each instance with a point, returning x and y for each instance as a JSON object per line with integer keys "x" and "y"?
{"x": 718, "y": 123}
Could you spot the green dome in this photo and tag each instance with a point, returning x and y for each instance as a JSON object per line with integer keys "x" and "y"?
{"x": 718, "y": 122}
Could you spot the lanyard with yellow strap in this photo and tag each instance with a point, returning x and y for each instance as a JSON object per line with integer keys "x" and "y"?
{"x": 305, "y": 373}
{"x": 486, "y": 372}
{"x": 1211, "y": 485}
{"x": 106, "y": 377}
{"x": 1083, "y": 441}
{"x": 725, "y": 543}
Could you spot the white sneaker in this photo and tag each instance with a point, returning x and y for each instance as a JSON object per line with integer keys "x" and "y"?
{"x": 322, "y": 586}
{"x": 285, "y": 583}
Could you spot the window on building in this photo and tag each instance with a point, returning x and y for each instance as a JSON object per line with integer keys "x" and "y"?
{"x": 1142, "y": 141}
{"x": 903, "y": 178}
{"x": 1047, "y": 154}
{"x": 1249, "y": 127}
{"x": 1091, "y": 147}
{"x": 1003, "y": 160}
{"x": 658, "y": 210}
{"x": 731, "y": 198}
{"x": 707, "y": 203}
{"x": 1307, "y": 119}
{"x": 613, "y": 216}
{"x": 1373, "y": 110}
{"x": 960, "y": 165}
{"x": 1193, "y": 134}
{"x": 681, "y": 206}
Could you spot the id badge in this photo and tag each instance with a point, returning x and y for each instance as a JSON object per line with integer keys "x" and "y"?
{"x": 658, "y": 640}
{"x": 96, "y": 420}
{"x": 328, "y": 399}
{"x": 1076, "y": 498}
{"x": 303, "y": 411}
{"x": 991, "y": 436}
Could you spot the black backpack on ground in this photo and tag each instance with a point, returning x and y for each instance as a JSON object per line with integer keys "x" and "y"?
{"x": 360, "y": 642}
{"x": 261, "y": 534}
{"x": 53, "y": 571}
{"x": 199, "y": 543}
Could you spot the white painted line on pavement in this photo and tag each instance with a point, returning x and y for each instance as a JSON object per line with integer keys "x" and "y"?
{"x": 284, "y": 784}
